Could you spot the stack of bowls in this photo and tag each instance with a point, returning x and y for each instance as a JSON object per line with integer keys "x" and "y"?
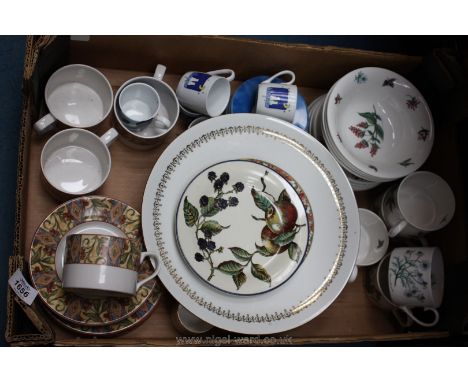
{"x": 376, "y": 124}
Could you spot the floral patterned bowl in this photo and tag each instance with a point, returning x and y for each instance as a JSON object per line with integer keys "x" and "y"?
{"x": 379, "y": 123}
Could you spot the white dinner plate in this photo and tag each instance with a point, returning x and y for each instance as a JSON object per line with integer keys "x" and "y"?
{"x": 330, "y": 258}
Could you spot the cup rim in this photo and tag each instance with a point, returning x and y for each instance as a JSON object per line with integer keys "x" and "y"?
{"x": 79, "y": 131}
{"x": 138, "y": 136}
{"x": 405, "y": 215}
{"x": 100, "y": 74}
{"x": 152, "y": 90}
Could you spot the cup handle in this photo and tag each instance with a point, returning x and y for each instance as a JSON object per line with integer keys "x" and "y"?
{"x": 109, "y": 136}
{"x": 45, "y": 124}
{"x": 163, "y": 120}
{"x": 425, "y": 324}
{"x": 396, "y": 229}
{"x": 287, "y": 72}
{"x": 157, "y": 267}
{"x": 159, "y": 72}
{"x": 231, "y": 73}
{"x": 353, "y": 276}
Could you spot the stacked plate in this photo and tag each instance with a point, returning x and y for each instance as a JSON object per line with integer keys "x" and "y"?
{"x": 255, "y": 221}
{"x": 376, "y": 124}
{"x": 89, "y": 316}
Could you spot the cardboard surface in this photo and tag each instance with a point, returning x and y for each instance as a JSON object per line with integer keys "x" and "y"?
{"x": 351, "y": 317}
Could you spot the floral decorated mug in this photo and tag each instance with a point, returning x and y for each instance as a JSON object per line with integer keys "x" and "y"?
{"x": 101, "y": 265}
{"x": 416, "y": 279}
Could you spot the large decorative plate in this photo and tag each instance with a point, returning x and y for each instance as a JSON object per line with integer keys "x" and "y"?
{"x": 93, "y": 214}
{"x": 243, "y": 226}
{"x": 379, "y": 122}
{"x": 130, "y": 322}
{"x": 329, "y": 260}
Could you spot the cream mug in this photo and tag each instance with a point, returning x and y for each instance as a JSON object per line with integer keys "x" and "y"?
{"x": 77, "y": 96}
{"x": 101, "y": 265}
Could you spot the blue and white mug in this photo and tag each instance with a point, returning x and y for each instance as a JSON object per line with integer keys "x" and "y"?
{"x": 278, "y": 100}
{"x": 205, "y": 93}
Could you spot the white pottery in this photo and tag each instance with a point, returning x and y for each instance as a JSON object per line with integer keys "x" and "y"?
{"x": 99, "y": 266}
{"x": 278, "y": 100}
{"x": 423, "y": 202}
{"x": 416, "y": 279}
{"x": 256, "y": 215}
{"x": 205, "y": 93}
{"x": 379, "y": 122}
{"x": 77, "y": 96}
{"x": 76, "y": 162}
{"x": 326, "y": 266}
{"x": 152, "y": 134}
{"x": 139, "y": 103}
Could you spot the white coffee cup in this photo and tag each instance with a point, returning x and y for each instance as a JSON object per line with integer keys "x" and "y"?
{"x": 373, "y": 242}
{"x": 76, "y": 162}
{"x": 278, "y": 99}
{"x": 139, "y": 103}
{"x": 423, "y": 202}
{"x": 77, "y": 96}
{"x": 416, "y": 279}
{"x": 154, "y": 133}
{"x": 101, "y": 265}
{"x": 205, "y": 93}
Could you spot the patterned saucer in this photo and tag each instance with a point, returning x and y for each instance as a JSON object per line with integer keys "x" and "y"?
{"x": 244, "y": 225}
{"x": 245, "y": 99}
{"x": 93, "y": 214}
{"x": 130, "y": 322}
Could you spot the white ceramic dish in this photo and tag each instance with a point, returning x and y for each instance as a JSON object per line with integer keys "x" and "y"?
{"x": 333, "y": 251}
{"x": 381, "y": 124}
{"x": 252, "y": 227}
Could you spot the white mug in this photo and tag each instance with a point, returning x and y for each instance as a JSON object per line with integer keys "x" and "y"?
{"x": 416, "y": 279}
{"x": 278, "y": 99}
{"x": 154, "y": 134}
{"x": 139, "y": 104}
{"x": 423, "y": 202}
{"x": 102, "y": 265}
{"x": 205, "y": 93}
{"x": 77, "y": 96}
{"x": 76, "y": 162}
{"x": 373, "y": 242}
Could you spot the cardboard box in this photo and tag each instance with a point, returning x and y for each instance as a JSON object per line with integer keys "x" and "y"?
{"x": 352, "y": 317}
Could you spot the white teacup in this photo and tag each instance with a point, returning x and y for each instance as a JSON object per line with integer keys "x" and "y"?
{"x": 101, "y": 265}
{"x": 154, "y": 133}
{"x": 76, "y": 162}
{"x": 205, "y": 93}
{"x": 139, "y": 104}
{"x": 77, "y": 96}
{"x": 278, "y": 99}
{"x": 422, "y": 203}
{"x": 373, "y": 243}
{"x": 416, "y": 279}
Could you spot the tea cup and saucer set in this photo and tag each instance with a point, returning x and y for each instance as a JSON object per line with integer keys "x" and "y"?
{"x": 87, "y": 259}
{"x": 247, "y": 96}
